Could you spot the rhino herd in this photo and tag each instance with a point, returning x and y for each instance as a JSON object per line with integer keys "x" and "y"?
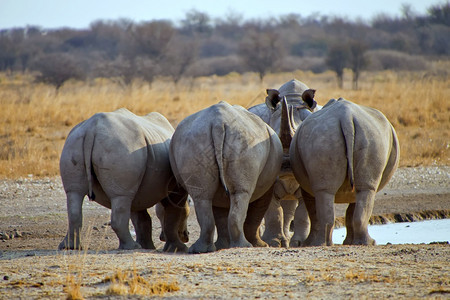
{"x": 285, "y": 160}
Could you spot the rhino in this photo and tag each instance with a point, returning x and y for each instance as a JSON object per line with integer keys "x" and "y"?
{"x": 344, "y": 153}
{"x": 121, "y": 161}
{"x": 227, "y": 159}
{"x": 287, "y": 201}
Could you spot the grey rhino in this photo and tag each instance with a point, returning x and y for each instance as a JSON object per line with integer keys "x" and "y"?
{"x": 343, "y": 153}
{"x": 121, "y": 161}
{"x": 287, "y": 200}
{"x": 227, "y": 159}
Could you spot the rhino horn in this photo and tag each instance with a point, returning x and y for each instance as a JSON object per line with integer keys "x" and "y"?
{"x": 287, "y": 129}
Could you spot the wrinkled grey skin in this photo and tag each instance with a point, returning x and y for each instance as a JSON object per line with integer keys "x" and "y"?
{"x": 343, "y": 153}
{"x": 227, "y": 159}
{"x": 287, "y": 200}
{"x": 121, "y": 161}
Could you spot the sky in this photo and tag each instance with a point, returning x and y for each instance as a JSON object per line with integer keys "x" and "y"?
{"x": 50, "y": 14}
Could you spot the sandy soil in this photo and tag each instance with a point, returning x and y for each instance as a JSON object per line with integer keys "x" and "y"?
{"x": 33, "y": 220}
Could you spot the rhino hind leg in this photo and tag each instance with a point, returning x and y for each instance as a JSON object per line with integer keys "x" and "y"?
{"x": 174, "y": 228}
{"x": 363, "y": 211}
{"x": 310, "y": 204}
{"x": 205, "y": 218}
{"x": 221, "y": 219}
{"x": 75, "y": 218}
{"x": 120, "y": 220}
{"x": 239, "y": 206}
{"x": 143, "y": 226}
{"x": 349, "y": 224}
{"x": 326, "y": 217}
{"x": 255, "y": 214}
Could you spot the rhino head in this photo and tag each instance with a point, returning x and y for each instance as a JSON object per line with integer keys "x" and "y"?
{"x": 289, "y": 106}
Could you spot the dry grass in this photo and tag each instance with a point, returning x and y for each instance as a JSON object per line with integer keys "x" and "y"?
{"x": 34, "y": 120}
{"x": 131, "y": 283}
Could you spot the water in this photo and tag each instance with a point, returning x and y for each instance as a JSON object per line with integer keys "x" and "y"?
{"x": 404, "y": 233}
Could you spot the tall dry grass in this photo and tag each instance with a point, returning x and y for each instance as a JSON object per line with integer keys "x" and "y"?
{"x": 35, "y": 120}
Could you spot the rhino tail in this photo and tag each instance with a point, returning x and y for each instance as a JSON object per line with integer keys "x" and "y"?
{"x": 348, "y": 131}
{"x": 218, "y": 136}
{"x": 88, "y": 145}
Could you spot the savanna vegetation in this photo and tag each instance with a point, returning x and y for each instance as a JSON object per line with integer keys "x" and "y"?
{"x": 52, "y": 79}
{"x": 199, "y": 45}
{"x": 35, "y": 120}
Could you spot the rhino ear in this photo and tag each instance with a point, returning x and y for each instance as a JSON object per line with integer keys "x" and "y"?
{"x": 308, "y": 98}
{"x": 273, "y": 98}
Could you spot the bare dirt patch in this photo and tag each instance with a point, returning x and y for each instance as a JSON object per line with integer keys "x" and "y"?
{"x": 33, "y": 216}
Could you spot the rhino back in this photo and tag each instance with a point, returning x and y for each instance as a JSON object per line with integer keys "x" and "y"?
{"x": 321, "y": 145}
{"x": 262, "y": 111}
{"x": 129, "y": 157}
{"x": 243, "y": 139}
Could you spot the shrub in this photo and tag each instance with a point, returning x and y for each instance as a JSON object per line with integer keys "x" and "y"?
{"x": 394, "y": 60}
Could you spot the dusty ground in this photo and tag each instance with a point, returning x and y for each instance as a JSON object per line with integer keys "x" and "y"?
{"x": 33, "y": 212}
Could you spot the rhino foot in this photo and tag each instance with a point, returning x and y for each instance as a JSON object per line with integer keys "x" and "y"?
{"x": 129, "y": 246}
{"x": 221, "y": 244}
{"x": 241, "y": 244}
{"x": 259, "y": 243}
{"x": 199, "y": 247}
{"x": 147, "y": 245}
{"x": 65, "y": 245}
{"x": 364, "y": 241}
{"x": 347, "y": 241}
{"x": 295, "y": 243}
{"x": 175, "y": 248}
{"x": 276, "y": 242}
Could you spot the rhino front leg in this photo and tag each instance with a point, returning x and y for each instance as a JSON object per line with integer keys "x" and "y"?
{"x": 274, "y": 223}
{"x": 120, "y": 220}
{"x": 142, "y": 223}
{"x": 75, "y": 216}
{"x": 289, "y": 208}
{"x": 301, "y": 224}
{"x": 363, "y": 211}
{"x": 221, "y": 219}
{"x": 239, "y": 205}
{"x": 205, "y": 218}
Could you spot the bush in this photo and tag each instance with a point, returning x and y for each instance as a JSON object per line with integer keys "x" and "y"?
{"x": 217, "y": 66}
{"x": 309, "y": 63}
{"x": 56, "y": 69}
{"x": 394, "y": 60}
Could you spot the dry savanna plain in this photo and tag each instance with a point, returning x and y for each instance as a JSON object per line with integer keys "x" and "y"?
{"x": 35, "y": 121}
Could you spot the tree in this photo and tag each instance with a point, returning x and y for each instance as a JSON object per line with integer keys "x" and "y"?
{"x": 337, "y": 59}
{"x": 440, "y": 14}
{"x": 261, "y": 51}
{"x": 196, "y": 22}
{"x": 358, "y": 60}
{"x": 180, "y": 55}
{"x": 150, "y": 39}
{"x": 56, "y": 69}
